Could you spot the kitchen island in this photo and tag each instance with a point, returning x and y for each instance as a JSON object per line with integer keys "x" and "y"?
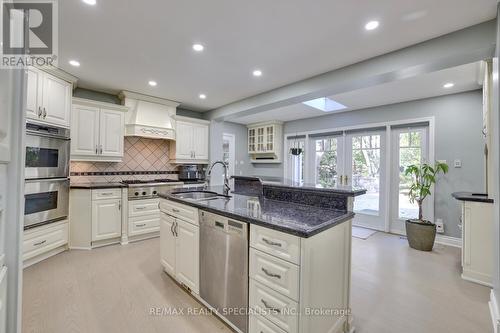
{"x": 294, "y": 261}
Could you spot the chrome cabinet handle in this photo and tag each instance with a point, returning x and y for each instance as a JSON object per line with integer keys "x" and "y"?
{"x": 140, "y": 208}
{"x": 40, "y": 243}
{"x": 107, "y": 193}
{"x": 268, "y": 242}
{"x": 100, "y": 149}
{"x": 39, "y": 112}
{"x": 96, "y": 151}
{"x": 140, "y": 225}
{"x": 172, "y": 228}
{"x": 273, "y": 275}
{"x": 268, "y": 307}
{"x": 120, "y": 205}
{"x": 176, "y": 230}
{"x": 175, "y": 210}
{"x": 44, "y": 113}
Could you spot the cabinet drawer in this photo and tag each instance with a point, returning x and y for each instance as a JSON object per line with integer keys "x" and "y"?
{"x": 278, "y": 274}
{"x": 186, "y": 213}
{"x": 144, "y": 224}
{"x": 36, "y": 242}
{"x": 259, "y": 324}
{"x": 277, "y": 243}
{"x": 143, "y": 207}
{"x": 279, "y": 309}
{"x": 110, "y": 193}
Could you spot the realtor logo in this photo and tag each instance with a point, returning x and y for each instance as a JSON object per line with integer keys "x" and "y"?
{"x": 29, "y": 33}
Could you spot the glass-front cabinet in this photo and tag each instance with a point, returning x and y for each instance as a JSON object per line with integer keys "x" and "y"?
{"x": 263, "y": 142}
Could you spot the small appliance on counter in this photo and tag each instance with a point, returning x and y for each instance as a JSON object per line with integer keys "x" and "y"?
{"x": 192, "y": 173}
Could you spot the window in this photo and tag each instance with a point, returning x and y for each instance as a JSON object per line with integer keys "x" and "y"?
{"x": 410, "y": 152}
{"x": 326, "y": 162}
{"x": 296, "y": 163}
{"x": 366, "y": 171}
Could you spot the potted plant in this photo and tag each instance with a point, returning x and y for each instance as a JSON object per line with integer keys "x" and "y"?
{"x": 420, "y": 232}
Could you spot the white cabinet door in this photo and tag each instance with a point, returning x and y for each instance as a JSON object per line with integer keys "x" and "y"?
{"x": 187, "y": 255}
{"x": 56, "y": 101}
{"x": 184, "y": 141}
{"x": 112, "y": 127}
{"x": 34, "y": 94}
{"x": 84, "y": 130}
{"x": 200, "y": 142}
{"x": 167, "y": 243}
{"x": 106, "y": 219}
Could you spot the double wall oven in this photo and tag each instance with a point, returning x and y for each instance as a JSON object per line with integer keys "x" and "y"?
{"x": 46, "y": 190}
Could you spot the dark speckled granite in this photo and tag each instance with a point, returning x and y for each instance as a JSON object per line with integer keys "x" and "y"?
{"x": 297, "y": 219}
{"x": 306, "y": 197}
{"x": 97, "y": 185}
{"x": 469, "y": 196}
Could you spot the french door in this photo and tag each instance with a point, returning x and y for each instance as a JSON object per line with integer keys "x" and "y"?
{"x": 357, "y": 158}
{"x": 365, "y": 168}
{"x": 409, "y": 146}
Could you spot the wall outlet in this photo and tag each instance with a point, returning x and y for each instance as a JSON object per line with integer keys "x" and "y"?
{"x": 439, "y": 226}
{"x": 457, "y": 163}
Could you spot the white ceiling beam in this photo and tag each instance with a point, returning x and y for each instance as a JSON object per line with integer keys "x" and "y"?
{"x": 461, "y": 47}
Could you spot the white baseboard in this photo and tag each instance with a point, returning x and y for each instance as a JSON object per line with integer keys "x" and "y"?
{"x": 449, "y": 241}
{"x": 494, "y": 312}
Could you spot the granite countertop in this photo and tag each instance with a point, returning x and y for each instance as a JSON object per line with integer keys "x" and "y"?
{"x": 288, "y": 183}
{"x": 296, "y": 219}
{"x": 97, "y": 185}
{"x": 471, "y": 196}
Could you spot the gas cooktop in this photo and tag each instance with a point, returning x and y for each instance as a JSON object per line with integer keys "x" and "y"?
{"x": 151, "y": 181}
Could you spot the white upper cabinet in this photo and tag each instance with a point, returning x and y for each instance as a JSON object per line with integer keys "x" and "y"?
{"x": 48, "y": 98}
{"x": 112, "y": 124}
{"x": 84, "y": 130}
{"x": 97, "y": 131}
{"x": 265, "y": 142}
{"x": 191, "y": 143}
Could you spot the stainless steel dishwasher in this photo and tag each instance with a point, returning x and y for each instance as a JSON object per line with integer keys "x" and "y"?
{"x": 224, "y": 267}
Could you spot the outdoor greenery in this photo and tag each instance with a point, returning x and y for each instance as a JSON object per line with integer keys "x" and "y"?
{"x": 327, "y": 169}
{"x": 423, "y": 177}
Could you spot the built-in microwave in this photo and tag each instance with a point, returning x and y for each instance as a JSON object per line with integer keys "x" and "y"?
{"x": 47, "y": 151}
{"x": 45, "y": 201}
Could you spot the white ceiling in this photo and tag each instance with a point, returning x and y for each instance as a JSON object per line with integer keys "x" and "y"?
{"x": 124, "y": 44}
{"x": 464, "y": 77}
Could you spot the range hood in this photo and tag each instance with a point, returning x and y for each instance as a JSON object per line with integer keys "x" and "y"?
{"x": 148, "y": 116}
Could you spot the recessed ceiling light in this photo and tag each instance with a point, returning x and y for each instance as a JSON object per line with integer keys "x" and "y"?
{"x": 257, "y": 72}
{"x": 90, "y": 2}
{"x": 74, "y": 63}
{"x": 372, "y": 25}
{"x": 202, "y": 96}
{"x": 152, "y": 83}
{"x": 448, "y": 85}
{"x": 198, "y": 47}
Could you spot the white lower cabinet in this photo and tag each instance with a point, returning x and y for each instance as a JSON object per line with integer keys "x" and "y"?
{"x": 3, "y": 298}
{"x": 477, "y": 247}
{"x": 179, "y": 243}
{"x": 106, "y": 219}
{"x": 262, "y": 325}
{"x": 39, "y": 242}
{"x": 290, "y": 276}
{"x": 143, "y": 217}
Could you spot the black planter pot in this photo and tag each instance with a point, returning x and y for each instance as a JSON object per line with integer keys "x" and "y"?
{"x": 421, "y": 235}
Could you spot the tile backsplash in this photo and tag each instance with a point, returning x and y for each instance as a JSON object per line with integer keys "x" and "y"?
{"x": 143, "y": 159}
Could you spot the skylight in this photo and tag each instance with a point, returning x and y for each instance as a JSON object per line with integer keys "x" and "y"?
{"x": 325, "y": 104}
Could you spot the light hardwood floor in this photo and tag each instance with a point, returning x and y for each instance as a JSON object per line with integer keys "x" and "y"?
{"x": 112, "y": 289}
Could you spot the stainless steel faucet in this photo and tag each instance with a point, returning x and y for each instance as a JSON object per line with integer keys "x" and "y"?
{"x": 226, "y": 179}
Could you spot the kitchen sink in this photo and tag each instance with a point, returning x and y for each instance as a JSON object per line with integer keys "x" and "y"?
{"x": 200, "y": 195}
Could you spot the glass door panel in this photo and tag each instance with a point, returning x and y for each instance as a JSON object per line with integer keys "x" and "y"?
{"x": 328, "y": 161}
{"x": 409, "y": 147}
{"x": 365, "y": 168}
{"x": 296, "y": 163}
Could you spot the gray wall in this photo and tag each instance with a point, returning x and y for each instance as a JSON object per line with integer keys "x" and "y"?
{"x": 243, "y": 165}
{"x": 96, "y": 95}
{"x": 457, "y": 136}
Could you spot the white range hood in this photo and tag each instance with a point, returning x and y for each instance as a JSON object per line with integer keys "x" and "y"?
{"x": 148, "y": 116}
